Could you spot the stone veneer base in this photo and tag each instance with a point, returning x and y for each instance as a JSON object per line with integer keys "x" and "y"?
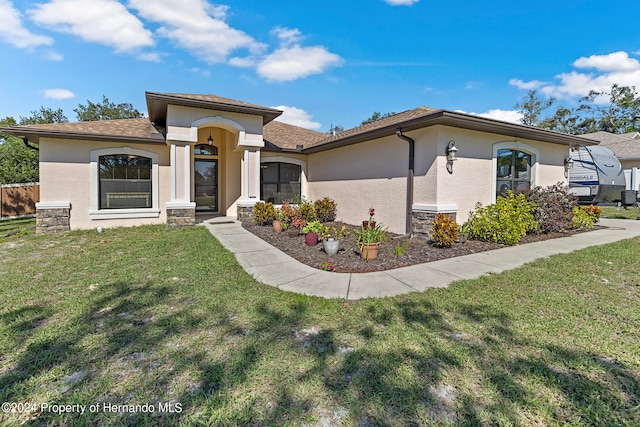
{"x": 422, "y": 223}
{"x": 245, "y": 213}
{"x": 180, "y": 217}
{"x": 52, "y": 220}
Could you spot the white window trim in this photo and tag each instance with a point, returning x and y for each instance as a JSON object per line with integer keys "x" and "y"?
{"x": 514, "y": 145}
{"x": 282, "y": 159}
{"x": 96, "y": 213}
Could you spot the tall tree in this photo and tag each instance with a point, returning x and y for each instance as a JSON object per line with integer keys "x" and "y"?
{"x": 44, "y": 116}
{"x": 17, "y": 162}
{"x": 532, "y": 106}
{"x": 106, "y": 110}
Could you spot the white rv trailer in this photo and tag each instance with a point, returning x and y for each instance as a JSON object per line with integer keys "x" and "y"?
{"x": 596, "y": 175}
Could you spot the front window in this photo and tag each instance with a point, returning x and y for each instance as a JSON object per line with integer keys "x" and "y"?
{"x": 125, "y": 181}
{"x": 279, "y": 182}
{"x": 513, "y": 172}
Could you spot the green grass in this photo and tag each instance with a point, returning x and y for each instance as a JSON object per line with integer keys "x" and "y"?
{"x": 20, "y": 227}
{"x": 146, "y": 315}
{"x": 622, "y": 213}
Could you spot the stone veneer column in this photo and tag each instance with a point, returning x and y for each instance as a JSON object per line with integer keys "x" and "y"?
{"x": 53, "y": 217}
{"x": 180, "y": 216}
{"x": 422, "y": 220}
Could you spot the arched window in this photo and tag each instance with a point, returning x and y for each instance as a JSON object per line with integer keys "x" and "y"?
{"x": 280, "y": 181}
{"x": 513, "y": 171}
{"x": 205, "y": 150}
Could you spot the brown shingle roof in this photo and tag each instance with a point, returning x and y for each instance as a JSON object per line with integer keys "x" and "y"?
{"x": 132, "y": 130}
{"x": 279, "y": 135}
{"x": 625, "y": 146}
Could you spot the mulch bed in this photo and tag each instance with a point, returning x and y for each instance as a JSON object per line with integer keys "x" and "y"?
{"x": 348, "y": 259}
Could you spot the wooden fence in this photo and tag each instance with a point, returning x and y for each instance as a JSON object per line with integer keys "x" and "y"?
{"x": 19, "y": 199}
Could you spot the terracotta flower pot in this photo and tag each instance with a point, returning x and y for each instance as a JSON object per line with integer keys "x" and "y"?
{"x": 311, "y": 239}
{"x": 277, "y": 226}
{"x": 293, "y": 231}
{"x": 369, "y": 251}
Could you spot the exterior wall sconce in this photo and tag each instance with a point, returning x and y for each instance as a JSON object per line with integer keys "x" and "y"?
{"x": 568, "y": 164}
{"x": 451, "y": 155}
{"x": 210, "y": 139}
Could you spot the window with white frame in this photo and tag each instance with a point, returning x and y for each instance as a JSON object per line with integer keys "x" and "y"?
{"x": 124, "y": 183}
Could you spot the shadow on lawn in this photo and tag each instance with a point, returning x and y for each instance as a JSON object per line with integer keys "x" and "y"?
{"x": 383, "y": 382}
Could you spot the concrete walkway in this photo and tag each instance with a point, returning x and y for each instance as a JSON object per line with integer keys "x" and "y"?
{"x": 273, "y": 267}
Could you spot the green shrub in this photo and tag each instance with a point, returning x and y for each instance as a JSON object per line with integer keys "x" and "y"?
{"x": 445, "y": 231}
{"x": 506, "y": 221}
{"x": 288, "y": 212}
{"x": 586, "y": 217}
{"x": 264, "y": 213}
{"x": 325, "y": 209}
{"x": 307, "y": 211}
{"x": 554, "y": 207}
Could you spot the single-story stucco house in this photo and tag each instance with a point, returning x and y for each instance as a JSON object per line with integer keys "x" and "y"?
{"x": 207, "y": 153}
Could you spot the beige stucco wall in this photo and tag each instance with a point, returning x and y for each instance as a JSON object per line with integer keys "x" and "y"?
{"x": 65, "y": 177}
{"x": 374, "y": 173}
{"x": 357, "y": 177}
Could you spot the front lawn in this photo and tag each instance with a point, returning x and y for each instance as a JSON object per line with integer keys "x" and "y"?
{"x": 167, "y": 319}
{"x": 621, "y": 213}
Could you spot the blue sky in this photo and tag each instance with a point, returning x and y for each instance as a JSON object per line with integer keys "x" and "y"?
{"x": 326, "y": 62}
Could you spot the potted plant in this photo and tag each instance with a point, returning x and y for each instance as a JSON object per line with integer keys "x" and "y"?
{"x": 331, "y": 239}
{"x": 277, "y": 222}
{"x": 369, "y": 238}
{"x": 311, "y": 230}
{"x": 296, "y": 223}
{"x": 371, "y": 222}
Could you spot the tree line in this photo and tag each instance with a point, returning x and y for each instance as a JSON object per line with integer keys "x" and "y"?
{"x": 18, "y": 163}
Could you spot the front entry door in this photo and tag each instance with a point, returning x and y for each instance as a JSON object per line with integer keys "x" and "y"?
{"x": 206, "y": 184}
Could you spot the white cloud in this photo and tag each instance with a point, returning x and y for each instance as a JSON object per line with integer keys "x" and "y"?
{"x": 533, "y": 84}
{"x": 401, "y": 2}
{"x": 13, "y": 32}
{"x": 292, "y": 61}
{"x": 198, "y": 27}
{"x": 603, "y": 72}
{"x": 106, "y": 22}
{"x": 59, "y": 94}
{"x": 614, "y": 62}
{"x": 510, "y": 116}
{"x": 150, "y": 57}
{"x": 296, "y": 116}
{"x": 53, "y": 55}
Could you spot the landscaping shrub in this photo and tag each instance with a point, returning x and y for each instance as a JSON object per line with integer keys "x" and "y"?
{"x": 594, "y": 211}
{"x": 307, "y": 211}
{"x": 325, "y": 209}
{"x": 445, "y": 231}
{"x": 554, "y": 207}
{"x": 506, "y": 221}
{"x": 288, "y": 212}
{"x": 586, "y": 217}
{"x": 264, "y": 213}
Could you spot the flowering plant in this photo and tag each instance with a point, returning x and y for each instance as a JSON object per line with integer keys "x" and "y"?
{"x": 372, "y": 212}
{"x": 327, "y": 265}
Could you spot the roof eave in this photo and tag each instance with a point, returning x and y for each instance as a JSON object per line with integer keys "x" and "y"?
{"x": 34, "y": 135}
{"x": 157, "y": 106}
{"x": 460, "y": 120}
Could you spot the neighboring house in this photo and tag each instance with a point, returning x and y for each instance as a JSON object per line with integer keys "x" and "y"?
{"x": 206, "y": 153}
{"x": 626, "y": 147}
